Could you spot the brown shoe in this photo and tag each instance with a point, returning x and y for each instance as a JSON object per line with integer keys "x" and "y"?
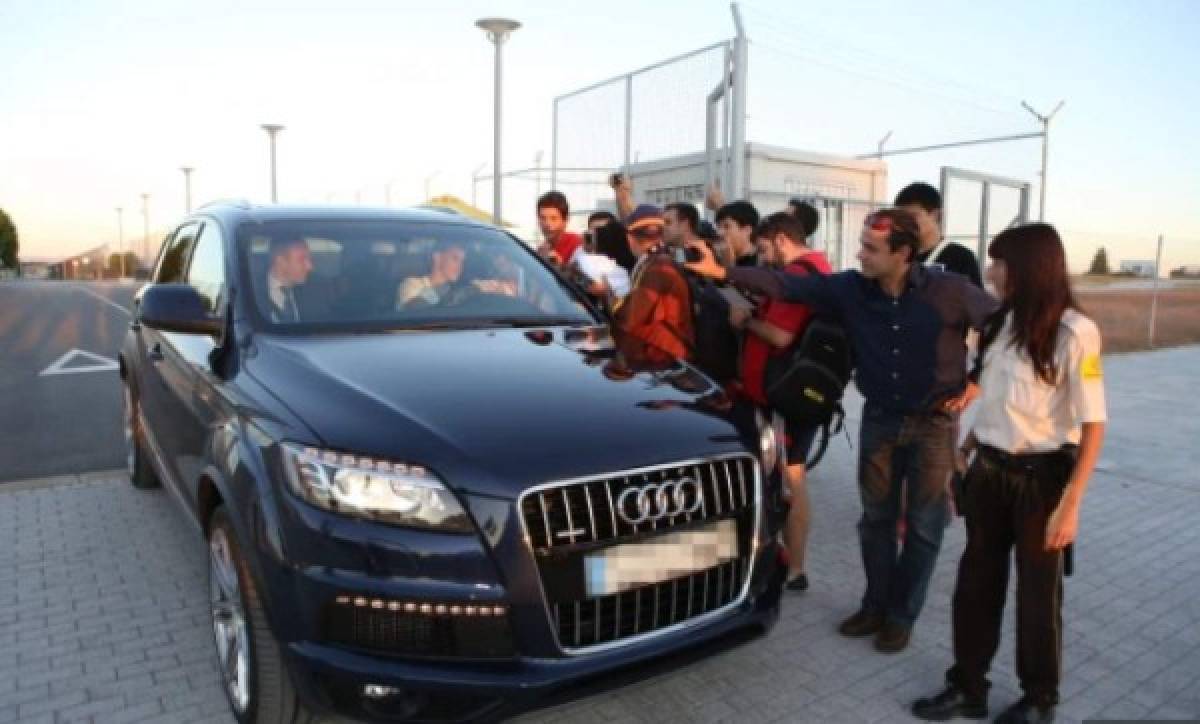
{"x": 861, "y": 624}
{"x": 892, "y": 638}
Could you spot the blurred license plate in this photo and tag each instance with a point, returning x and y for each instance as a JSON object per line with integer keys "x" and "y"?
{"x": 660, "y": 559}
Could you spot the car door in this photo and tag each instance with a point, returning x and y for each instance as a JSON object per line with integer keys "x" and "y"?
{"x": 186, "y": 368}
{"x": 154, "y": 395}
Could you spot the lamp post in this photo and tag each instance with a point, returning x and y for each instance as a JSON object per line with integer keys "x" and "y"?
{"x": 187, "y": 187}
{"x": 145, "y": 228}
{"x": 273, "y": 130}
{"x": 498, "y": 30}
{"x": 121, "y": 238}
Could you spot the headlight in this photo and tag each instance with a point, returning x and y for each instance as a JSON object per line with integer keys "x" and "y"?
{"x": 771, "y": 438}
{"x": 389, "y": 492}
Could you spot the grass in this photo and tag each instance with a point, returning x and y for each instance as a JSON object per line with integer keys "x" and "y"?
{"x": 1124, "y": 317}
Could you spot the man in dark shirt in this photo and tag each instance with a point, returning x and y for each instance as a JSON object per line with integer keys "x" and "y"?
{"x": 924, "y": 202}
{"x": 906, "y": 324}
{"x": 736, "y": 222}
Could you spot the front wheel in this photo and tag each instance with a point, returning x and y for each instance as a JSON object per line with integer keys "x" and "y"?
{"x": 253, "y": 675}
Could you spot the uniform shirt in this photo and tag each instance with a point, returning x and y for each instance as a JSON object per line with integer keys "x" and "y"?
{"x": 1018, "y": 412}
{"x": 953, "y": 257}
{"x": 784, "y": 315}
{"x": 909, "y": 350}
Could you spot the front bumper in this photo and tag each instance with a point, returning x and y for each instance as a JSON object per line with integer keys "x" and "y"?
{"x": 446, "y": 667}
{"x": 335, "y": 678}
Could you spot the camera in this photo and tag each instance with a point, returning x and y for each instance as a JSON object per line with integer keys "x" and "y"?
{"x": 686, "y": 255}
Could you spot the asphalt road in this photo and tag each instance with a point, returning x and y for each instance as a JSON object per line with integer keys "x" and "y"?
{"x": 60, "y": 399}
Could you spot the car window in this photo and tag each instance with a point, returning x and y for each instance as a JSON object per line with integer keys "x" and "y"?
{"x": 206, "y": 272}
{"x": 175, "y": 254}
{"x": 369, "y": 273}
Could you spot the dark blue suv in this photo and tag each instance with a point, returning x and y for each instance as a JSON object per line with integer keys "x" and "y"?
{"x": 430, "y": 491}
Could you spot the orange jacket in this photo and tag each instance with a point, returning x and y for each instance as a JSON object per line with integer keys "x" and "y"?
{"x": 653, "y": 324}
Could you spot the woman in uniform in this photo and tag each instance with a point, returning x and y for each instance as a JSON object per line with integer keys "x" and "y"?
{"x": 1035, "y": 440}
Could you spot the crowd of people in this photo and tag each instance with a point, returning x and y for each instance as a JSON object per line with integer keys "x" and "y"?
{"x": 928, "y": 341}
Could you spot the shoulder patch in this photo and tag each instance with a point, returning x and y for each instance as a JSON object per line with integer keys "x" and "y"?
{"x": 1091, "y": 368}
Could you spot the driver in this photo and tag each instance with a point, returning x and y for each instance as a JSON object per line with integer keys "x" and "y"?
{"x": 445, "y": 269}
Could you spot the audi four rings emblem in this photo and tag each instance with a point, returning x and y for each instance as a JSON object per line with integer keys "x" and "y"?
{"x": 660, "y": 500}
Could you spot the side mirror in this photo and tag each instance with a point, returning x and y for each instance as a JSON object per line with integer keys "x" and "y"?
{"x": 177, "y": 308}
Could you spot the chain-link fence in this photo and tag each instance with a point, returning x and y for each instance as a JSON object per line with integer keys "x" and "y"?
{"x": 674, "y": 108}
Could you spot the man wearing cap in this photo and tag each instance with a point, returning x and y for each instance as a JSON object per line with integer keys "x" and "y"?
{"x": 652, "y": 326}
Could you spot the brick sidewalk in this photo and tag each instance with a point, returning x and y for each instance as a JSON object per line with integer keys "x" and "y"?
{"x": 103, "y": 612}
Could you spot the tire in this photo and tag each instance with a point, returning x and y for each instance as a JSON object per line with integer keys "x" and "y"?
{"x": 137, "y": 463}
{"x": 261, "y": 690}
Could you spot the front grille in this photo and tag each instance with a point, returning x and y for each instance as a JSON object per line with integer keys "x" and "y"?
{"x": 564, "y": 523}
{"x": 586, "y": 511}
{"x": 604, "y": 619}
{"x": 417, "y": 634}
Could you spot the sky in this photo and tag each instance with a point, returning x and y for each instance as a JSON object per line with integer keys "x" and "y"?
{"x": 101, "y": 102}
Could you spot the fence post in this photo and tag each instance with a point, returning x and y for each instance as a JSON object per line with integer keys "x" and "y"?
{"x": 1154, "y": 298}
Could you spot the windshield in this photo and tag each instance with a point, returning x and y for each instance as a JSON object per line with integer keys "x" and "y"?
{"x": 373, "y": 274}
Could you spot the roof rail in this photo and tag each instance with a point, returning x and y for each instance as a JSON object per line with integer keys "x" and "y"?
{"x": 239, "y": 203}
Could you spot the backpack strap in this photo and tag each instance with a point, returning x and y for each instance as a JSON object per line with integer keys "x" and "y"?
{"x": 991, "y": 329}
{"x": 937, "y": 251}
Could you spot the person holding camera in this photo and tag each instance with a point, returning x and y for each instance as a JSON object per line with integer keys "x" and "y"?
{"x": 906, "y": 324}
{"x": 559, "y": 245}
{"x": 770, "y": 329}
{"x": 1035, "y": 440}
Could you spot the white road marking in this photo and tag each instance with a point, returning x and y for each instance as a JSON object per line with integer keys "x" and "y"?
{"x": 106, "y": 300}
{"x": 99, "y": 364}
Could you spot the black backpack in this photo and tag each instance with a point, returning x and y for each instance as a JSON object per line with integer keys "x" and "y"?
{"x": 805, "y": 384}
{"x": 715, "y": 344}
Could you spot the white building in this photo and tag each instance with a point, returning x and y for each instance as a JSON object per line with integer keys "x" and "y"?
{"x": 844, "y": 190}
{"x": 1139, "y": 268}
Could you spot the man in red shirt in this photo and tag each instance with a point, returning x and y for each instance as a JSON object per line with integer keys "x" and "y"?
{"x": 559, "y": 245}
{"x": 770, "y": 330}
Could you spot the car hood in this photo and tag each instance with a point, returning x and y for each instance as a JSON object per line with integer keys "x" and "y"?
{"x": 495, "y": 411}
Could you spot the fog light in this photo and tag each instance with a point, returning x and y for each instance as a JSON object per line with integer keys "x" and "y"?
{"x": 378, "y": 691}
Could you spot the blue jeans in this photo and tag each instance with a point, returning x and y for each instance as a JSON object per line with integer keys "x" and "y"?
{"x": 913, "y": 453}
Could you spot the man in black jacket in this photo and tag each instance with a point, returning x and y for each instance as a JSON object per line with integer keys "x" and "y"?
{"x": 924, "y": 202}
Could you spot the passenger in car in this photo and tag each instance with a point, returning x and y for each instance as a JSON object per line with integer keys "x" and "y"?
{"x": 446, "y": 266}
{"x": 291, "y": 263}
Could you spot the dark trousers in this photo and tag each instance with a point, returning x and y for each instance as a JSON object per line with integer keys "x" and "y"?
{"x": 1007, "y": 503}
{"x": 898, "y": 453}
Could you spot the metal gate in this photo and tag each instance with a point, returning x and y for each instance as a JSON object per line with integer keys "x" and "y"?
{"x": 976, "y": 206}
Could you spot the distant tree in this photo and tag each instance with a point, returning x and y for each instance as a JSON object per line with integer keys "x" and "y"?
{"x": 9, "y": 246}
{"x": 1100, "y": 263}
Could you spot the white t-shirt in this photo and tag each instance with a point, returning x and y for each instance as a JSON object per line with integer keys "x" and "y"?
{"x": 1018, "y": 412}
{"x": 599, "y": 267}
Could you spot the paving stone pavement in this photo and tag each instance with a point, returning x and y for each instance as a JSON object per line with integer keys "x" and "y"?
{"x": 103, "y": 612}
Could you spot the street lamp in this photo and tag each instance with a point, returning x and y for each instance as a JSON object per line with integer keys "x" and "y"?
{"x": 187, "y": 187}
{"x": 145, "y": 228}
{"x": 498, "y": 30}
{"x": 272, "y": 130}
{"x": 121, "y": 239}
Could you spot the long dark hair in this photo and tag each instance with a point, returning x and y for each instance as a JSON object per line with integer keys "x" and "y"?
{"x": 1037, "y": 292}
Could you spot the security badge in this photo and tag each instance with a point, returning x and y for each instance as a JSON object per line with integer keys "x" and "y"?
{"x": 1090, "y": 369}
